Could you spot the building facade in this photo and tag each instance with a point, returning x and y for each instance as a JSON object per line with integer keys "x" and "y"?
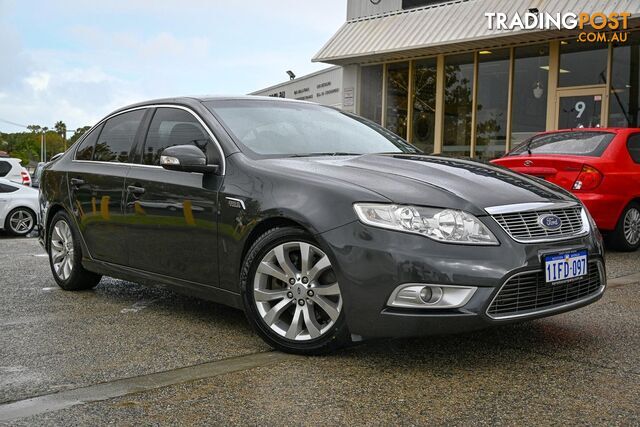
{"x": 323, "y": 87}
{"x": 435, "y": 73}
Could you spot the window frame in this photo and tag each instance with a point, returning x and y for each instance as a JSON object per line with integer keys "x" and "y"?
{"x": 134, "y": 144}
{"x": 144, "y": 128}
{"x": 140, "y": 149}
{"x": 97, "y": 128}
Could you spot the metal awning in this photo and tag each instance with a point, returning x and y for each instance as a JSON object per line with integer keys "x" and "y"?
{"x": 449, "y": 27}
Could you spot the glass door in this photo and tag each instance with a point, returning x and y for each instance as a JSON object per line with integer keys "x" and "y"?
{"x": 580, "y": 108}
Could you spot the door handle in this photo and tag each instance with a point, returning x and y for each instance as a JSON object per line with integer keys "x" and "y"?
{"x": 77, "y": 182}
{"x": 136, "y": 191}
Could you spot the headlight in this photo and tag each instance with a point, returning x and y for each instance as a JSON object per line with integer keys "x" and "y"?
{"x": 443, "y": 225}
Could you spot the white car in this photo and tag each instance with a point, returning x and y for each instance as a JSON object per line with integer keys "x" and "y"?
{"x": 18, "y": 208}
{"x": 12, "y": 170}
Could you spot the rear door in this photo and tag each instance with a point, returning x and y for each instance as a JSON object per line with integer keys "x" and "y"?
{"x": 171, "y": 215}
{"x": 633, "y": 147}
{"x": 96, "y": 185}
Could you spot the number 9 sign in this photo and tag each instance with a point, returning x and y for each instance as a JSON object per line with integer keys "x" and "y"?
{"x": 580, "y": 107}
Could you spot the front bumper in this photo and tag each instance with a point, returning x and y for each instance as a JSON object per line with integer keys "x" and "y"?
{"x": 371, "y": 262}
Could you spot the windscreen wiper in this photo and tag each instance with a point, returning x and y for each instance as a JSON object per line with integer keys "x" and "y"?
{"x": 332, "y": 153}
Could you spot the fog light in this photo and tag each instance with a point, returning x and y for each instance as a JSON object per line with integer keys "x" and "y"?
{"x": 426, "y": 294}
{"x": 415, "y": 295}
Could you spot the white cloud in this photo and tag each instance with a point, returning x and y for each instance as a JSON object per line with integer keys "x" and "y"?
{"x": 128, "y": 51}
{"x": 38, "y": 81}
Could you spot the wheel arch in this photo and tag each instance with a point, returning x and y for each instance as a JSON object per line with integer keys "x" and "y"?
{"x": 51, "y": 212}
{"x": 262, "y": 227}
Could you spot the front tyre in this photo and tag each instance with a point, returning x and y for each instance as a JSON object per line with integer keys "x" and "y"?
{"x": 291, "y": 293}
{"x": 626, "y": 236}
{"x": 65, "y": 255}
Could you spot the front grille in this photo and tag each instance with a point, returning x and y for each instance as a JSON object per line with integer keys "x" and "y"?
{"x": 527, "y": 293}
{"x": 525, "y": 226}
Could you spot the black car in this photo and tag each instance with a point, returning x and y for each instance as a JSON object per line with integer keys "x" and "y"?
{"x": 323, "y": 227}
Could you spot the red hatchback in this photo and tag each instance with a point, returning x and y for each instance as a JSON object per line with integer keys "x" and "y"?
{"x": 601, "y": 166}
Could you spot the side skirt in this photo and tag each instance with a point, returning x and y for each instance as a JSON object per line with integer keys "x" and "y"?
{"x": 185, "y": 287}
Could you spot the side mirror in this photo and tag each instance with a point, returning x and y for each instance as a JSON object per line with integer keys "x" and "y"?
{"x": 186, "y": 158}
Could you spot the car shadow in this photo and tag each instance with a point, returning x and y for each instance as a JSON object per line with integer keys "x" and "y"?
{"x": 506, "y": 345}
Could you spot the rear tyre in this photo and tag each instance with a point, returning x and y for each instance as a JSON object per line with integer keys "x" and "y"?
{"x": 20, "y": 221}
{"x": 291, "y": 293}
{"x": 626, "y": 236}
{"x": 65, "y": 255}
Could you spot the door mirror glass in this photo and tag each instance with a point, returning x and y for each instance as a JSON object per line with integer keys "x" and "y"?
{"x": 186, "y": 158}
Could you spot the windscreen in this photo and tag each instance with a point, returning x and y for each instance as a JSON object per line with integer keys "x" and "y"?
{"x": 282, "y": 129}
{"x": 585, "y": 143}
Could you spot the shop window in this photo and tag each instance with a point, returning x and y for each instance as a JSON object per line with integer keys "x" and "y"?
{"x": 492, "y": 103}
{"x": 582, "y": 64}
{"x": 371, "y": 93}
{"x": 624, "y": 101}
{"x": 424, "y": 104}
{"x": 530, "y": 74}
{"x": 397, "y": 98}
{"x": 458, "y": 105}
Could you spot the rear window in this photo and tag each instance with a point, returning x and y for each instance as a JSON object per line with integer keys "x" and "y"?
{"x": 591, "y": 144}
{"x": 5, "y": 167}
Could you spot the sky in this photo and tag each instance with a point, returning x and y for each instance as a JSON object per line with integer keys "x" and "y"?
{"x": 77, "y": 60}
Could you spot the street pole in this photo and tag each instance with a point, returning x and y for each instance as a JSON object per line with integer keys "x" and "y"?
{"x": 42, "y": 147}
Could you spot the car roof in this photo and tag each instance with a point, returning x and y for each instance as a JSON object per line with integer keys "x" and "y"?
{"x": 187, "y": 100}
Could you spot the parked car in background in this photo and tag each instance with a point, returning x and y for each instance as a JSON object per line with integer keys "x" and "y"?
{"x": 323, "y": 226}
{"x": 18, "y": 208}
{"x": 601, "y": 166}
{"x": 12, "y": 170}
{"x": 35, "y": 179}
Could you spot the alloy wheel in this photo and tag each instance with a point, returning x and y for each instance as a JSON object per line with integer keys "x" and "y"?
{"x": 21, "y": 221}
{"x": 296, "y": 291}
{"x": 62, "y": 249}
{"x": 632, "y": 226}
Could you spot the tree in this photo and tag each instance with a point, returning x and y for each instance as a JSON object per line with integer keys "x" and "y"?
{"x": 61, "y": 129}
{"x": 78, "y": 133}
{"x": 35, "y": 128}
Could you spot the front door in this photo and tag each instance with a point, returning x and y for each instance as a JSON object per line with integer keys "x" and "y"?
{"x": 172, "y": 216}
{"x": 96, "y": 182}
{"x": 581, "y": 108}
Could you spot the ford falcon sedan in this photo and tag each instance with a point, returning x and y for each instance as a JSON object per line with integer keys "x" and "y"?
{"x": 323, "y": 227}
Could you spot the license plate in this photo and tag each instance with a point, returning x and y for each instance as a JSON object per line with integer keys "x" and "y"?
{"x": 565, "y": 267}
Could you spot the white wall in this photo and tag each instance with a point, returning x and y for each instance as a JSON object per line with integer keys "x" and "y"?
{"x": 360, "y": 8}
{"x": 323, "y": 87}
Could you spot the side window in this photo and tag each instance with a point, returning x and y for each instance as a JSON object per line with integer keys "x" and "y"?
{"x": 633, "y": 145}
{"x": 117, "y": 136}
{"x": 85, "y": 150}
{"x": 172, "y": 126}
{"x": 4, "y": 188}
{"x": 5, "y": 167}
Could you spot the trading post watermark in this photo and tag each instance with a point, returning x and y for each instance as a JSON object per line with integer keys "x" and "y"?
{"x": 598, "y": 27}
